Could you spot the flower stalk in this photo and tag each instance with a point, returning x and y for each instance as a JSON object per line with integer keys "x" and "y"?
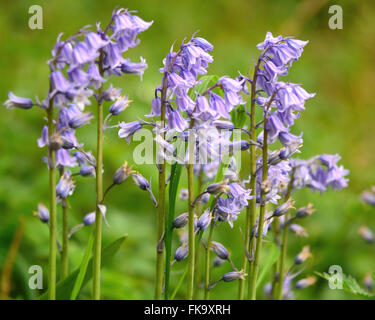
{"x": 99, "y": 193}
{"x": 65, "y": 240}
{"x": 161, "y": 202}
{"x": 207, "y": 267}
{"x": 52, "y": 218}
{"x": 284, "y": 244}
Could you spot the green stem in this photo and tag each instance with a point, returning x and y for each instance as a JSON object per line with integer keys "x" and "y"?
{"x": 254, "y": 274}
{"x": 191, "y": 258}
{"x": 99, "y": 194}
{"x": 251, "y": 208}
{"x": 52, "y": 211}
{"x": 284, "y": 244}
{"x": 207, "y": 270}
{"x": 65, "y": 241}
{"x": 161, "y": 205}
{"x": 198, "y": 252}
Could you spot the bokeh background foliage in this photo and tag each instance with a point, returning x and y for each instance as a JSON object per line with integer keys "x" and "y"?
{"x": 337, "y": 64}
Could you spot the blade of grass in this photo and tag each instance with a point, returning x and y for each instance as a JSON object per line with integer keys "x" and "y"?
{"x": 65, "y": 287}
{"x": 82, "y": 270}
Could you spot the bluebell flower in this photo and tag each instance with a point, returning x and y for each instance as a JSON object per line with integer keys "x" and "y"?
{"x": 306, "y": 282}
{"x": 66, "y": 186}
{"x": 95, "y": 79}
{"x": 95, "y": 41}
{"x": 366, "y": 234}
{"x": 203, "y": 109}
{"x": 89, "y": 219}
{"x": 182, "y": 252}
{"x": 176, "y": 121}
{"x": 79, "y": 119}
{"x": 18, "y": 102}
{"x": 134, "y": 68}
{"x": 234, "y": 275}
{"x": 120, "y": 105}
{"x": 303, "y": 255}
{"x": 218, "y": 104}
{"x": 129, "y": 129}
{"x": 181, "y": 220}
{"x": 369, "y": 197}
{"x": 203, "y": 43}
{"x": 111, "y": 94}
{"x": 42, "y": 213}
{"x": 155, "y": 108}
{"x": 220, "y": 250}
{"x": 204, "y": 221}
{"x": 59, "y": 83}
{"x": 83, "y": 54}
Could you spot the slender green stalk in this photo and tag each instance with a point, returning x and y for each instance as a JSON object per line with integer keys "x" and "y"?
{"x": 207, "y": 270}
{"x": 251, "y": 208}
{"x": 198, "y": 253}
{"x": 52, "y": 211}
{"x": 161, "y": 205}
{"x": 254, "y": 275}
{"x": 99, "y": 193}
{"x": 65, "y": 241}
{"x": 284, "y": 244}
{"x": 191, "y": 258}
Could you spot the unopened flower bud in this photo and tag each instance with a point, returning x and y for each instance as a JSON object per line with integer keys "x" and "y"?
{"x": 18, "y": 102}
{"x": 266, "y": 186}
{"x": 284, "y": 208}
{"x": 89, "y": 219}
{"x": 181, "y": 252}
{"x": 87, "y": 171}
{"x": 303, "y": 255}
{"x": 203, "y": 221}
{"x": 366, "y": 234}
{"x": 305, "y": 211}
{"x": 234, "y": 275}
{"x": 141, "y": 181}
{"x": 368, "y": 282}
{"x": 306, "y": 282}
{"x": 122, "y": 173}
{"x": 218, "y": 262}
{"x": 55, "y": 142}
{"x": 42, "y": 213}
{"x": 204, "y": 198}
{"x": 220, "y": 187}
{"x": 120, "y": 105}
{"x": 111, "y": 94}
{"x": 184, "y": 194}
{"x": 181, "y": 220}
{"x": 298, "y": 230}
{"x": 66, "y": 186}
{"x": 368, "y": 197}
{"x": 67, "y": 143}
{"x": 220, "y": 250}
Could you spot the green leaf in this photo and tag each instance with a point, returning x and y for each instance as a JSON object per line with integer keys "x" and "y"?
{"x": 238, "y": 116}
{"x": 349, "y": 284}
{"x": 173, "y": 186}
{"x": 272, "y": 257}
{"x": 82, "y": 270}
{"x": 64, "y": 287}
{"x": 206, "y": 82}
{"x": 180, "y": 282}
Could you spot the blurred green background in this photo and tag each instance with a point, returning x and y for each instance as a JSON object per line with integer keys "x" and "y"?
{"x": 337, "y": 64}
